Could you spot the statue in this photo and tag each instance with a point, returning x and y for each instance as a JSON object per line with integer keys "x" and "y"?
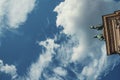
{"x": 98, "y": 36}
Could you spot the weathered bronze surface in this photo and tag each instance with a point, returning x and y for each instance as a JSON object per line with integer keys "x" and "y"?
{"x": 111, "y": 32}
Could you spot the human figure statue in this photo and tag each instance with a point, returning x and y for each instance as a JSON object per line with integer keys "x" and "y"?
{"x": 98, "y": 36}
{"x": 97, "y": 27}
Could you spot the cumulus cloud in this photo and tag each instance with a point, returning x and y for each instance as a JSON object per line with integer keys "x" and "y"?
{"x": 76, "y": 16}
{"x": 8, "y": 69}
{"x": 13, "y": 12}
{"x": 82, "y": 12}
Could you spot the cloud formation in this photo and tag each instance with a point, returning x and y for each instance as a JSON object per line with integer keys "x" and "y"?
{"x": 76, "y": 16}
{"x": 43, "y": 61}
{"x": 13, "y": 13}
{"x": 60, "y": 71}
{"x": 8, "y": 69}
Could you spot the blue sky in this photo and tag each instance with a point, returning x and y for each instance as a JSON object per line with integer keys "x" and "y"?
{"x": 51, "y": 40}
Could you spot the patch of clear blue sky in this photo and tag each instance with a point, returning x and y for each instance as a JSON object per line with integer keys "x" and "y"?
{"x": 114, "y": 74}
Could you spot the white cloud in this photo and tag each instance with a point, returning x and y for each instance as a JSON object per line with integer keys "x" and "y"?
{"x": 37, "y": 68}
{"x": 93, "y": 70}
{"x": 13, "y": 12}
{"x": 71, "y": 13}
{"x": 60, "y": 71}
{"x": 8, "y": 69}
{"x": 18, "y": 11}
{"x": 2, "y": 8}
{"x": 76, "y": 16}
{"x": 55, "y": 78}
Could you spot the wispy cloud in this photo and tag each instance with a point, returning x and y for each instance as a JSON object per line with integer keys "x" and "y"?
{"x": 43, "y": 61}
{"x": 60, "y": 71}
